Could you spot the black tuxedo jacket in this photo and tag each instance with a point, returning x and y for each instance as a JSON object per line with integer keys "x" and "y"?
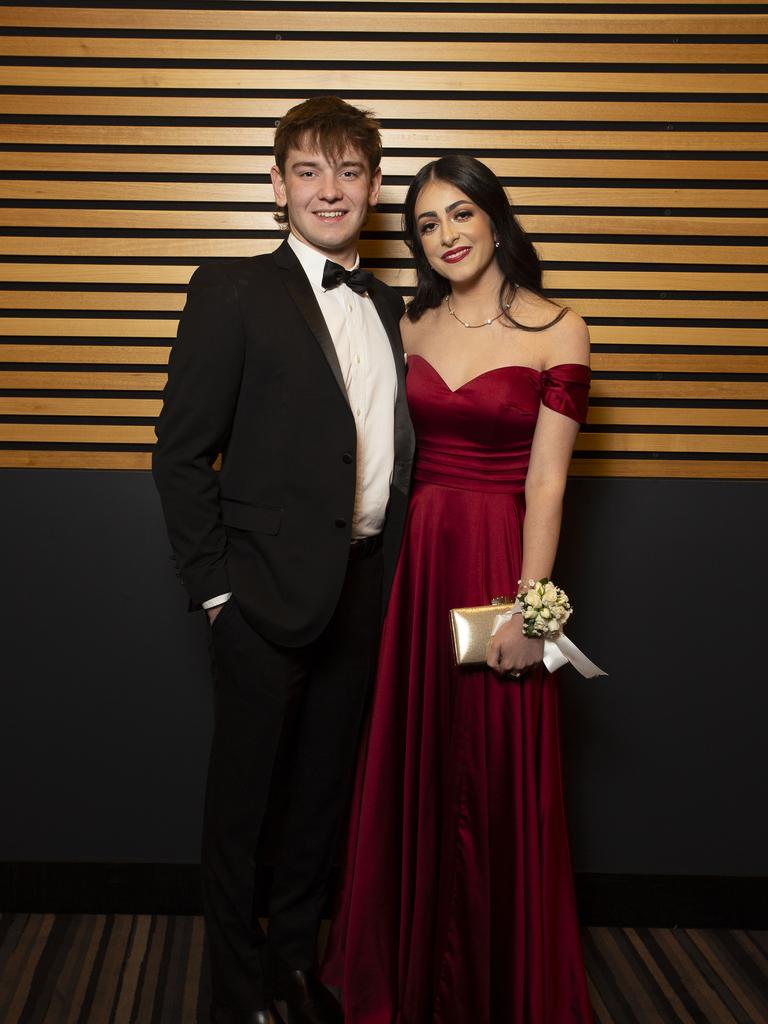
{"x": 254, "y": 375}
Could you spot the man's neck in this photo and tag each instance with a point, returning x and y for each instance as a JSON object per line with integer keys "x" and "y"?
{"x": 346, "y": 258}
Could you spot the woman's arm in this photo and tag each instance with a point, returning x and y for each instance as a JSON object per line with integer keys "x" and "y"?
{"x": 544, "y": 489}
{"x": 545, "y": 483}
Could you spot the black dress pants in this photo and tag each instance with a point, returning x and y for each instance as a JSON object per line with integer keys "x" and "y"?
{"x": 286, "y": 725}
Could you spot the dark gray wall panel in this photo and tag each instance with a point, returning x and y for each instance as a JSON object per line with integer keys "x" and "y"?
{"x": 105, "y": 702}
{"x": 666, "y": 758}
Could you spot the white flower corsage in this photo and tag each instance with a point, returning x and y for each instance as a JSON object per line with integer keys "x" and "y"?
{"x": 546, "y": 608}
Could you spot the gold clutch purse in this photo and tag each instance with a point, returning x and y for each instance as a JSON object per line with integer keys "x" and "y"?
{"x": 471, "y": 629}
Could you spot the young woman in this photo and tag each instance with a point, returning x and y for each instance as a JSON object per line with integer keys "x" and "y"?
{"x": 457, "y": 904}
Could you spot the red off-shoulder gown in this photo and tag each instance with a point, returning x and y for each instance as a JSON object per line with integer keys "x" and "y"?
{"x": 457, "y": 902}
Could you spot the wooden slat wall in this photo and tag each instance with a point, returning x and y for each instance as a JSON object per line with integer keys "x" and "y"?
{"x": 136, "y": 142}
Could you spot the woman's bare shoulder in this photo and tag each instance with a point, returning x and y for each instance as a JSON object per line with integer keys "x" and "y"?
{"x": 568, "y": 340}
{"x": 415, "y": 333}
{"x": 561, "y": 332}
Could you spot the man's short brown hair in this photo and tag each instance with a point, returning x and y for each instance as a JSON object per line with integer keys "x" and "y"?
{"x": 330, "y": 126}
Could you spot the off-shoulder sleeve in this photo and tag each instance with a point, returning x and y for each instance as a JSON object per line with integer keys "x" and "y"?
{"x": 565, "y": 388}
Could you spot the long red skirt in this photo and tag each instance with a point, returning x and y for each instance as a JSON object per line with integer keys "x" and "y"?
{"x": 457, "y": 902}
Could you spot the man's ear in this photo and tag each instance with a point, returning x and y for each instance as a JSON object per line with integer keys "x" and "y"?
{"x": 373, "y": 192}
{"x": 278, "y": 186}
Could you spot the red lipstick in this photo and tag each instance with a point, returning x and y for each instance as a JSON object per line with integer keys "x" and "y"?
{"x": 454, "y": 255}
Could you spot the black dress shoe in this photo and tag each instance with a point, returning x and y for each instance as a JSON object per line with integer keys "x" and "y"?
{"x": 303, "y": 999}
{"x": 219, "y": 1015}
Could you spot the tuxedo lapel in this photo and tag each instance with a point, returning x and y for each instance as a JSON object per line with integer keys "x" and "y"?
{"x": 403, "y": 428}
{"x": 300, "y": 290}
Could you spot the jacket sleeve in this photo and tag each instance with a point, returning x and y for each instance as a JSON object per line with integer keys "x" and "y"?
{"x": 204, "y": 375}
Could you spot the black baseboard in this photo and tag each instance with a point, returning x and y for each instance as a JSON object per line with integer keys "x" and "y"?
{"x": 667, "y": 901}
{"x": 81, "y": 888}
{"x": 663, "y": 901}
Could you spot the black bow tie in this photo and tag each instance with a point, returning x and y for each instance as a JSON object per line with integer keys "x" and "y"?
{"x": 358, "y": 280}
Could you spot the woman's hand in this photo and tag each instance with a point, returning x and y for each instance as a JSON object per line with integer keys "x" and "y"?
{"x": 510, "y": 653}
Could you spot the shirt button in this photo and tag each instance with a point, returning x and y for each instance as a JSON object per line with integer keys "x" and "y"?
{"x": 340, "y": 523}
{"x": 349, "y": 308}
{"x": 357, "y": 359}
{"x": 357, "y": 412}
{"x": 346, "y": 457}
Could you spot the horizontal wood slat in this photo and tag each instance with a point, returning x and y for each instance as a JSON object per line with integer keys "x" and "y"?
{"x": 671, "y": 469}
{"x": 537, "y": 223}
{"x": 355, "y": 81}
{"x": 599, "y": 415}
{"x": 698, "y": 309}
{"x": 223, "y": 220}
{"x": 252, "y": 192}
{"x": 719, "y": 390}
{"x": 598, "y": 224}
{"x": 405, "y": 138}
{"x": 701, "y": 390}
{"x": 120, "y": 354}
{"x": 716, "y": 444}
{"x": 605, "y": 279}
{"x": 631, "y": 140}
{"x": 663, "y": 468}
{"x": 17, "y": 459}
{"x": 73, "y": 433}
{"x": 191, "y": 247}
{"x": 299, "y": 51}
{"x": 261, "y": 220}
{"x": 601, "y": 361}
{"x": 177, "y": 164}
{"x": 106, "y": 327}
{"x": 95, "y": 327}
{"x": 136, "y": 408}
{"x": 606, "y": 415}
{"x": 76, "y": 433}
{"x": 58, "y": 381}
{"x": 675, "y": 336}
{"x": 293, "y": 20}
{"x": 159, "y": 274}
{"x": 515, "y": 109}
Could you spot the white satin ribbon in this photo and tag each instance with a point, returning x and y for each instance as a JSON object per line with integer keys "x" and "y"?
{"x": 557, "y": 652}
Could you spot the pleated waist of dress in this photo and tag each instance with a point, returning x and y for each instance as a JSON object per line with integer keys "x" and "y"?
{"x": 492, "y": 471}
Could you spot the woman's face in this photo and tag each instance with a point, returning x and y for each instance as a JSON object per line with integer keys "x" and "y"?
{"x": 456, "y": 235}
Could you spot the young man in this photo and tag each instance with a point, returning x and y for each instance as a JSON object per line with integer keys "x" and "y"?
{"x": 291, "y": 365}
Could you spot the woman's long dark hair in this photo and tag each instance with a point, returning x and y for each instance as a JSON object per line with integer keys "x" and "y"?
{"x": 517, "y": 258}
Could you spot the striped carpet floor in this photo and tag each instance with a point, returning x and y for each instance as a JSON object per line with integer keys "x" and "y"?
{"x": 125, "y": 969}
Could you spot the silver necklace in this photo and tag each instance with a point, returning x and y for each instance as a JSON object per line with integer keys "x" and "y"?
{"x": 485, "y": 323}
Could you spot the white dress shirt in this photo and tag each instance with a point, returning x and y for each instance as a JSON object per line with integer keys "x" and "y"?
{"x": 368, "y": 371}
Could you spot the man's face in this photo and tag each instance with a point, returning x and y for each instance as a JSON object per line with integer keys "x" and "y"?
{"x": 327, "y": 200}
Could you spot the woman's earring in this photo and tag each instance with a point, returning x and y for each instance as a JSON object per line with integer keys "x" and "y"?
{"x": 496, "y": 244}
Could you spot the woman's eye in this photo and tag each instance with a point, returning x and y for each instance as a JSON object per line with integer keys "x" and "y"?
{"x": 463, "y": 215}
{"x": 426, "y": 228}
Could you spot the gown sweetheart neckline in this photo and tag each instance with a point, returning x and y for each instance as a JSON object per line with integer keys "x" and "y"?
{"x": 485, "y": 373}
